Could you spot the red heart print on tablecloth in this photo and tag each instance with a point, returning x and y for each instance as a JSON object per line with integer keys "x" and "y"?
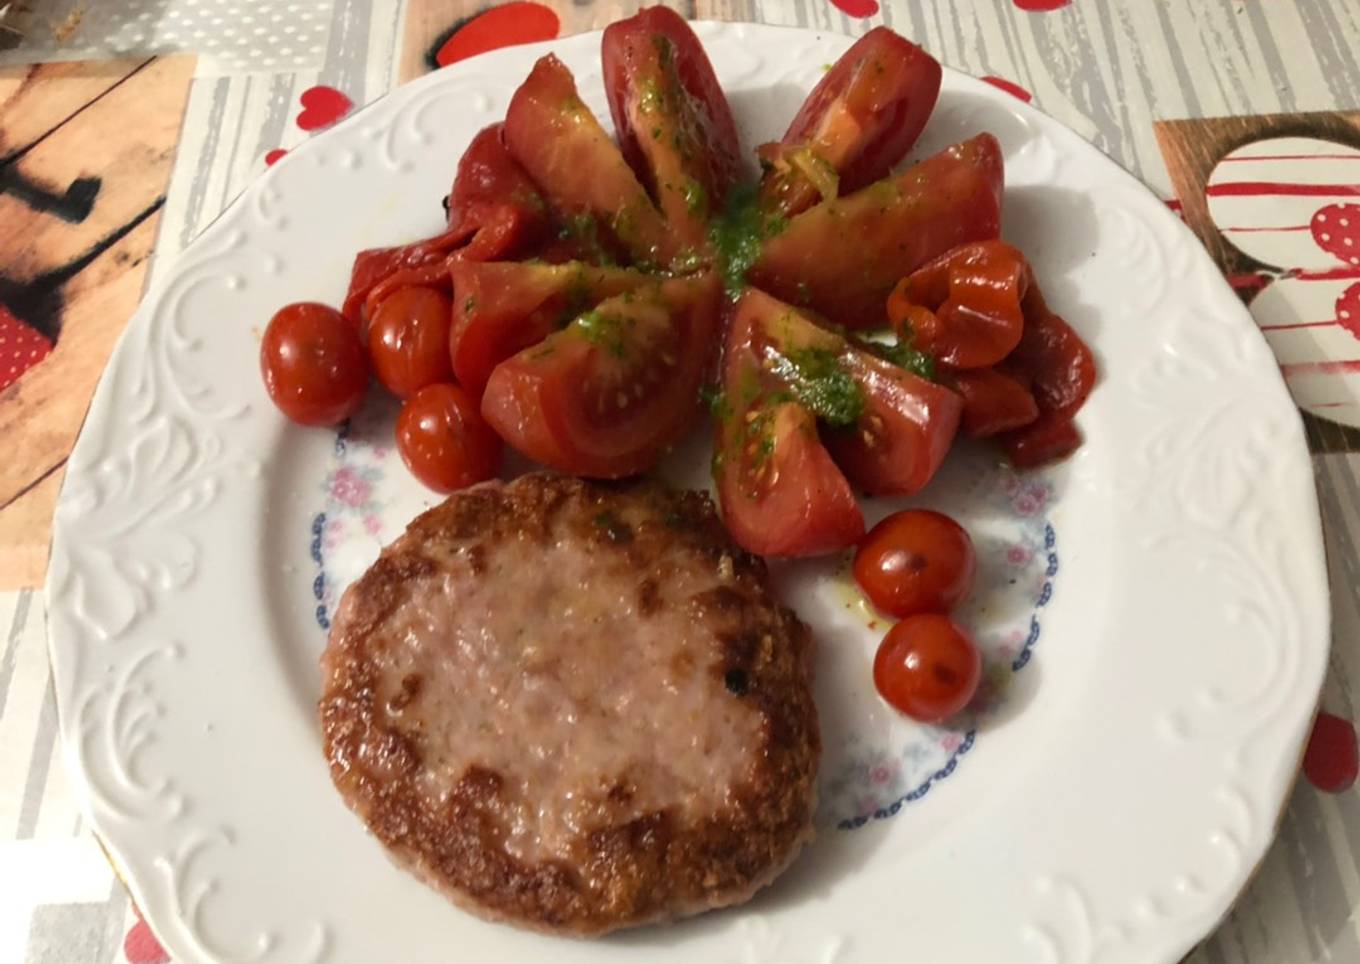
{"x": 141, "y": 947}
{"x": 1040, "y": 6}
{"x": 1336, "y": 229}
{"x": 1289, "y": 204}
{"x": 21, "y": 347}
{"x": 1332, "y": 760}
{"x": 856, "y": 8}
{"x": 1348, "y": 310}
{"x": 322, "y": 106}
{"x": 274, "y": 156}
{"x": 1010, "y": 87}
{"x": 503, "y": 26}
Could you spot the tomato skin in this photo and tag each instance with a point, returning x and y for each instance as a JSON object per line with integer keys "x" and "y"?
{"x": 504, "y": 307}
{"x": 861, "y": 119}
{"x": 607, "y": 395}
{"x": 444, "y": 441}
{"x": 974, "y": 294}
{"x": 843, "y": 257}
{"x": 993, "y": 401}
{"x": 927, "y": 667}
{"x": 916, "y": 561}
{"x": 579, "y": 169}
{"x": 313, "y": 364}
{"x": 674, "y": 125}
{"x": 408, "y": 340}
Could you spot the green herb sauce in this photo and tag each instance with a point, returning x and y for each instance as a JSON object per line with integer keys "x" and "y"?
{"x": 816, "y": 378}
{"x": 738, "y": 234}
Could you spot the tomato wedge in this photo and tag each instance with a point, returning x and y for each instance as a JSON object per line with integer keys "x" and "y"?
{"x": 607, "y": 395}
{"x": 844, "y": 256}
{"x": 504, "y": 307}
{"x": 906, "y": 430}
{"x": 674, "y": 124}
{"x": 494, "y": 211}
{"x": 974, "y": 295}
{"x": 580, "y": 171}
{"x": 887, "y": 428}
{"x": 992, "y": 401}
{"x": 860, "y": 120}
{"x": 779, "y": 490}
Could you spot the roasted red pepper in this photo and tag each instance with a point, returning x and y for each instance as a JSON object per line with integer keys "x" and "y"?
{"x": 974, "y": 296}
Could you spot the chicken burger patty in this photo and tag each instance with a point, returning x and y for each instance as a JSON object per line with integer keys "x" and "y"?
{"x": 574, "y": 706}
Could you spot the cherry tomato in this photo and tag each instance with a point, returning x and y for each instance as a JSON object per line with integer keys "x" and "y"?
{"x": 444, "y": 441}
{"x": 917, "y": 561}
{"x": 927, "y": 667}
{"x": 408, "y": 340}
{"x": 313, "y": 364}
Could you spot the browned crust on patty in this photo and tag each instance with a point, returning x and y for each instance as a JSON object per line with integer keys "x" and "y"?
{"x": 650, "y": 867}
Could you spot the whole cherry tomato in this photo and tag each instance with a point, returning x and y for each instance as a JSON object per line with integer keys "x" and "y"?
{"x": 915, "y": 561}
{"x": 444, "y": 441}
{"x": 927, "y": 667}
{"x": 313, "y": 364}
{"x": 408, "y": 340}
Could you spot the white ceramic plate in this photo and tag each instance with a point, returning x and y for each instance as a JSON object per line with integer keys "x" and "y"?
{"x": 1154, "y": 612}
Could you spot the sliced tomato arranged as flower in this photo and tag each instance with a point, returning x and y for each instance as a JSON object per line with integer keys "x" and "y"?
{"x": 504, "y": 307}
{"x": 859, "y": 121}
{"x": 674, "y": 124}
{"x": 608, "y": 394}
{"x": 580, "y": 171}
{"x": 779, "y": 490}
{"x": 973, "y": 295}
{"x": 584, "y": 281}
{"x": 843, "y": 257}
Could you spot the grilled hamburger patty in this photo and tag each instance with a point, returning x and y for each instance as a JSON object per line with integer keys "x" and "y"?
{"x": 574, "y": 706}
